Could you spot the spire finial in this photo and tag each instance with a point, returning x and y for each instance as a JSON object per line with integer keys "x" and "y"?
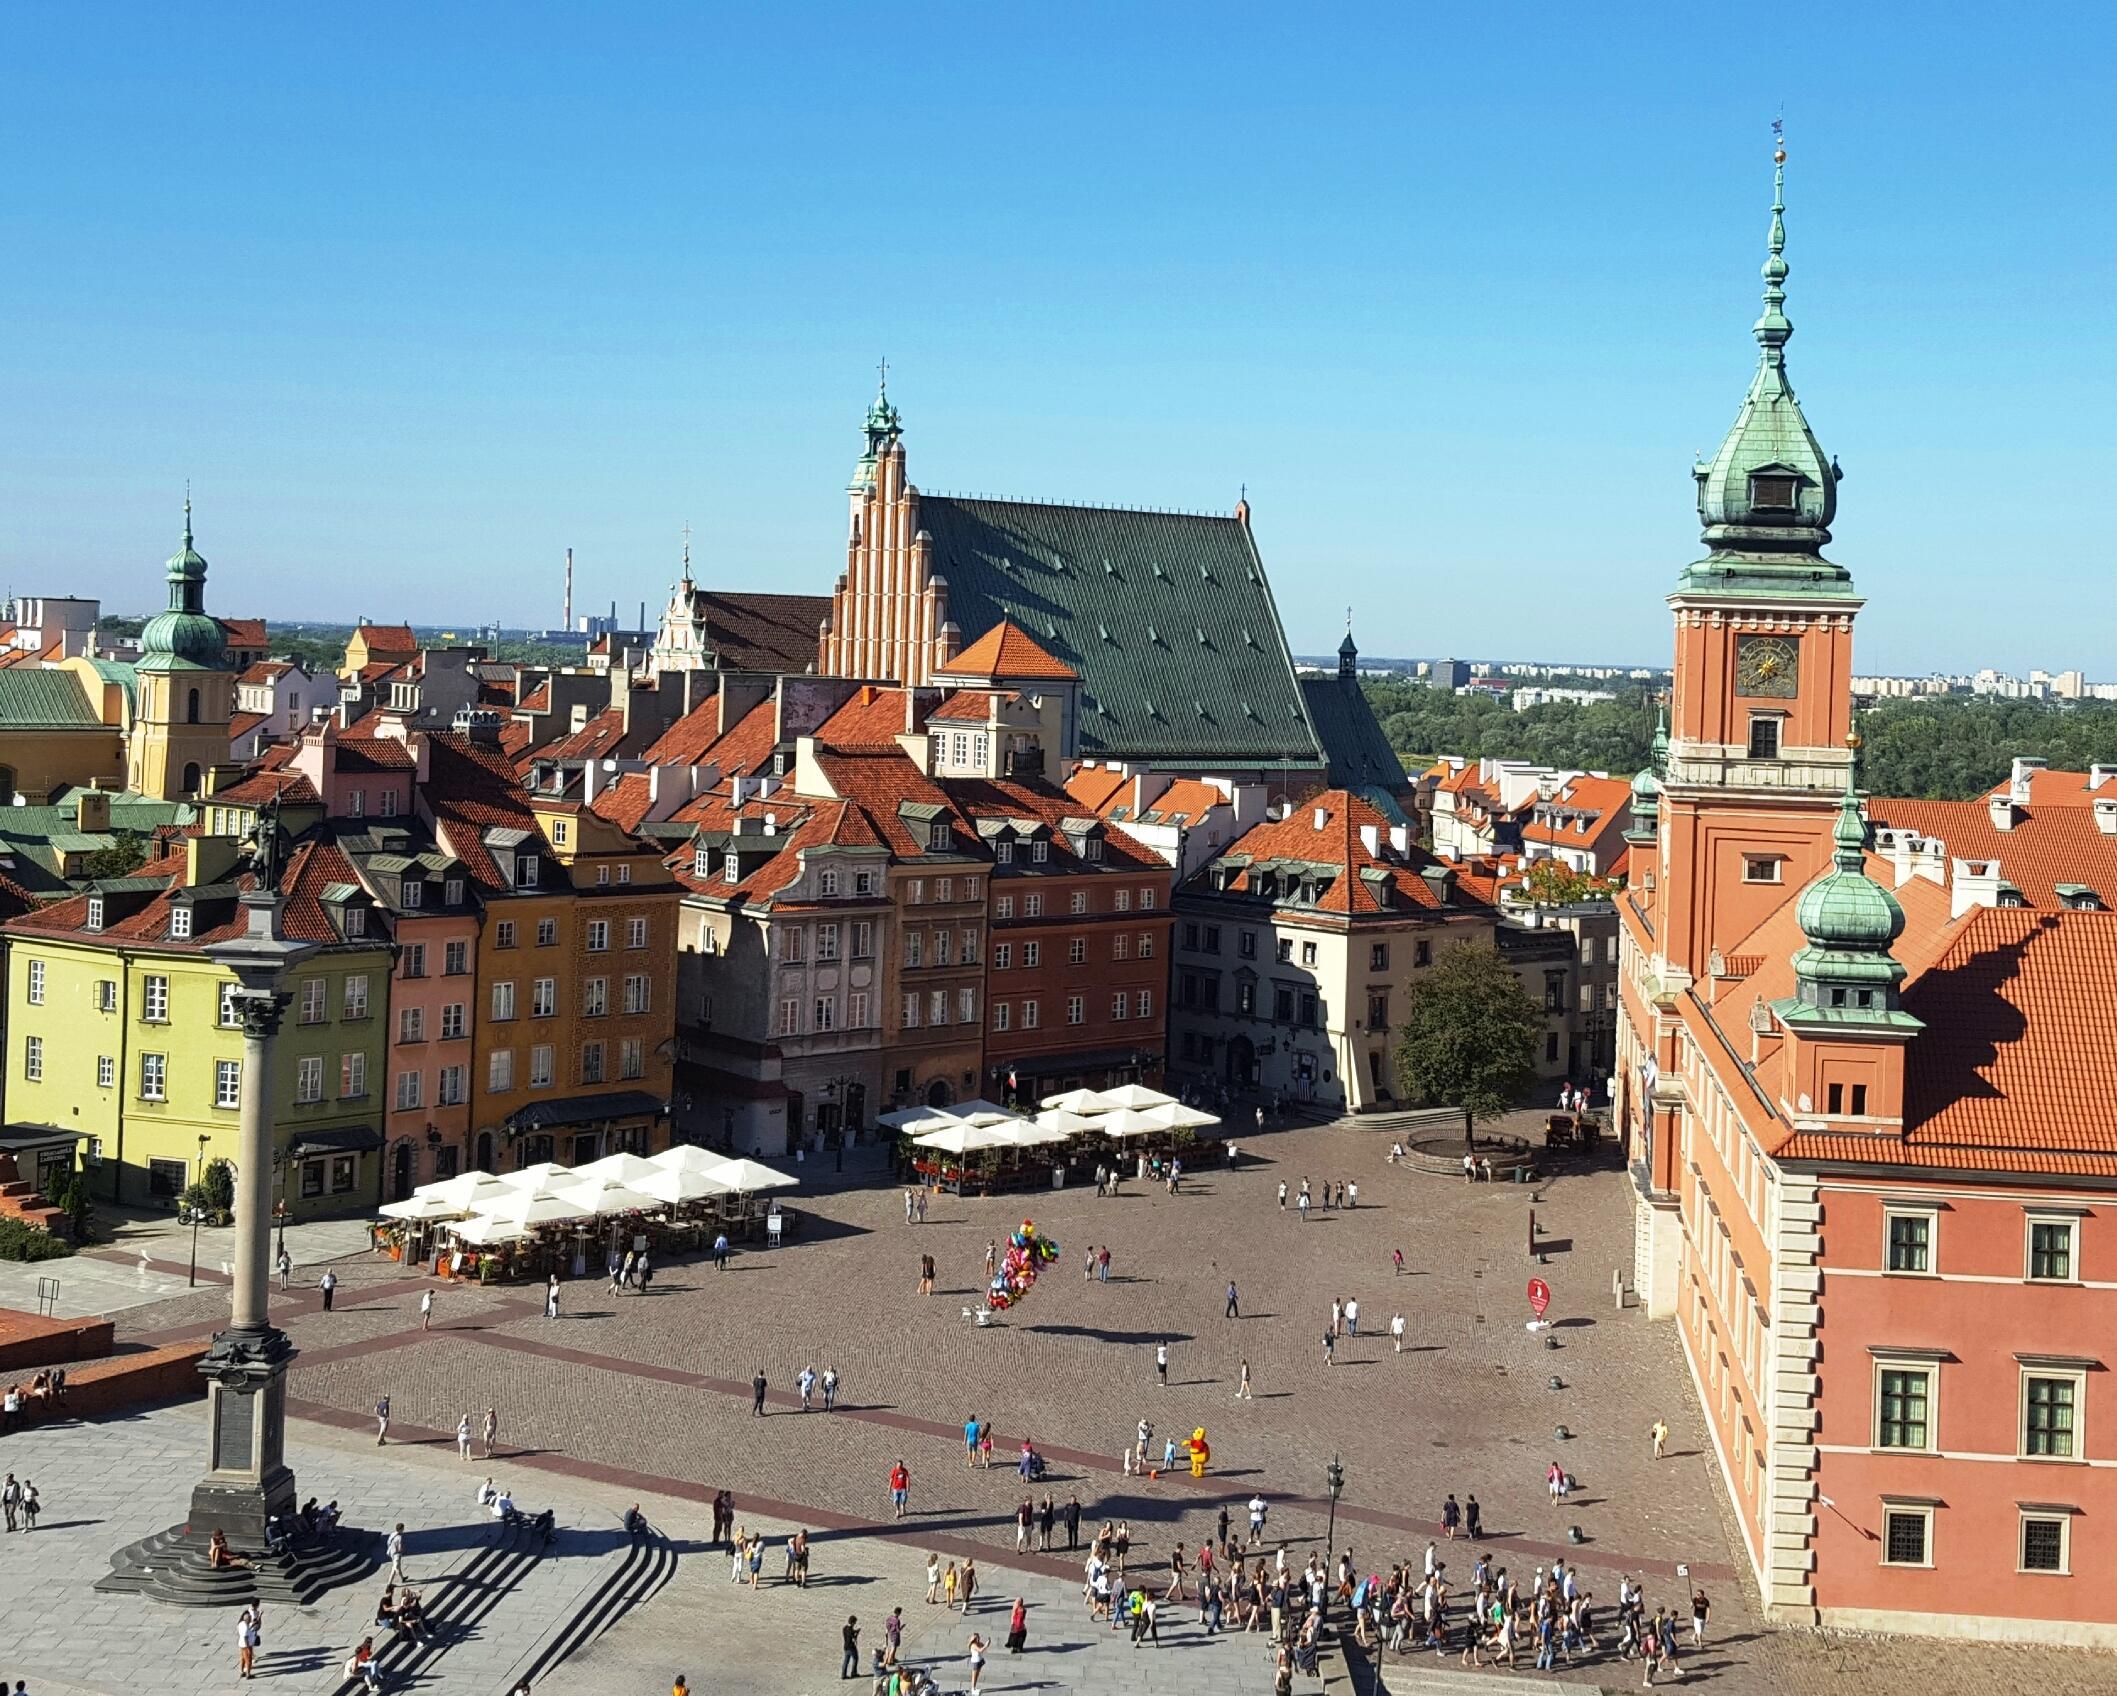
{"x": 883, "y": 370}
{"x": 1772, "y": 329}
{"x": 687, "y": 550}
{"x": 1348, "y": 621}
{"x": 187, "y": 512}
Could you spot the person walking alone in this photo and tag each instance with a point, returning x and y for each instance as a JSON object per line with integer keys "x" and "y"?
{"x": 1234, "y": 1306}
{"x": 382, "y": 1422}
{"x": 849, "y": 1635}
{"x": 463, "y": 1438}
{"x": 328, "y": 1284}
{"x": 1303, "y": 1203}
{"x": 757, "y": 1389}
{"x": 492, "y": 1429}
{"x": 1659, "y": 1431}
{"x": 1242, "y": 1383}
{"x": 1161, "y": 1364}
{"x": 551, "y": 1298}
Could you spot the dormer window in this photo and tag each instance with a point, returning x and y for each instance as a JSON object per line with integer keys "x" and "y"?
{"x": 95, "y": 912}
{"x": 731, "y": 872}
{"x": 939, "y": 838}
{"x": 526, "y": 872}
{"x": 701, "y": 861}
{"x": 179, "y": 923}
{"x": 1003, "y": 853}
{"x": 1774, "y": 491}
{"x": 414, "y": 895}
{"x": 1092, "y": 848}
{"x": 1039, "y": 851}
{"x": 356, "y": 921}
{"x": 452, "y": 892}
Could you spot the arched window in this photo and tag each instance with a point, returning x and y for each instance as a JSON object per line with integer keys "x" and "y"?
{"x": 191, "y": 775}
{"x": 191, "y": 708}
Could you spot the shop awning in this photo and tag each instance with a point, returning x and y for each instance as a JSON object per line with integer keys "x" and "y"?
{"x": 584, "y": 1110}
{"x": 346, "y": 1139}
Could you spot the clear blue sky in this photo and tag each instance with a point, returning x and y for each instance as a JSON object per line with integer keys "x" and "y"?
{"x": 419, "y": 296}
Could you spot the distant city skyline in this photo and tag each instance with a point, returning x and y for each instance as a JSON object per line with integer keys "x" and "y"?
{"x": 413, "y": 323}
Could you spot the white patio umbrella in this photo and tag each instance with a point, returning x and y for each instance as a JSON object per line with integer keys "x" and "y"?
{"x": 917, "y": 1119}
{"x": 524, "y": 1208}
{"x": 1128, "y": 1122}
{"x": 483, "y": 1231}
{"x": 1030, "y": 1133}
{"x": 979, "y": 1111}
{"x": 747, "y": 1175}
{"x": 687, "y": 1157}
{"x": 1079, "y": 1101}
{"x": 618, "y": 1168}
{"x": 541, "y": 1176}
{"x": 961, "y": 1139}
{"x": 670, "y": 1185}
{"x": 424, "y": 1207}
{"x": 1136, "y": 1096}
{"x": 1176, "y": 1116}
{"x": 1068, "y": 1124}
{"x": 459, "y": 1188}
{"x": 605, "y": 1199}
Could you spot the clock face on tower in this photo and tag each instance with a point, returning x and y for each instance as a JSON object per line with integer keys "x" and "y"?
{"x": 1767, "y": 665}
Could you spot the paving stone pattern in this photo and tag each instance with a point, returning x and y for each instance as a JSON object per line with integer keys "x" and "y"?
{"x": 648, "y": 1398}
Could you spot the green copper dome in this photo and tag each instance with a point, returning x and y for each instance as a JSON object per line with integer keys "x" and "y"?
{"x": 1767, "y": 497}
{"x": 1845, "y": 908}
{"x": 186, "y": 637}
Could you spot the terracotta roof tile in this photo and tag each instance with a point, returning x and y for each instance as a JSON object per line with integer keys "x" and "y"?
{"x": 2049, "y": 844}
{"x": 601, "y": 735}
{"x": 872, "y": 717}
{"x": 1008, "y": 651}
{"x": 1337, "y": 842}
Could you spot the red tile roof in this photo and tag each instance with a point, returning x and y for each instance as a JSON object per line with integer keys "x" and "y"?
{"x": 290, "y": 788}
{"x": 2062, "y": 788}
{"x": 390, "y": 639}
{"x": 871, "y": 718}
{"x": 601, "y": 735}
{"x": 1601, "y": 802}
{"x": 470, "y": 789}
{"x": 973, "y": 706}
{"x": 371, "y": 753}
{"x": 1094, "y": 786}
{"x": 2049, "y": 844}
{"x": 244, "y": 632}
{"x": 625, "y": 802}
{"x": 265, "y": 671}
{"x": 1008, "y": 651}
{"x": 1337, "y": 842}
{"x": 746, "y": 747}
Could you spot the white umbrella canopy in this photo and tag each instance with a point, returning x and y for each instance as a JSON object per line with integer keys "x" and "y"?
{"x": 541, "y": 1176}
{"x": 917, "y": 1119}
{"x": 979, "y": 1112}
{"x": 670, "y": 1185}
{"x": 524, "y": 1208}
{"x": 747, "y": 1175}
{"x": 618, "y": 1168}
{"x": 1176, "y": 1116}
{"x": 420, "y": 1207}
{"x": 603, "y": 1199}
{"x": 1028, "y": 1133}
{"x": 1128, "y": 1122}
{"x": 961, "y": 1139}
{"x": 461, "y": 1187}
{"x": 483, "y": 1232}
{"x": 687, "y": 1157}
{"x": 1136, "y": 1096}
{"x": 1065, "y": 1123}
{"x": 1079, "y": 1101}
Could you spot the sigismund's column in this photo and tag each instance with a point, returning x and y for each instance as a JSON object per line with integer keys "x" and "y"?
{"x": 247, "y": 1475}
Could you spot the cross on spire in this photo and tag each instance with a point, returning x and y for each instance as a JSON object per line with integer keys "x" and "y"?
{"x": 882, "y": 369}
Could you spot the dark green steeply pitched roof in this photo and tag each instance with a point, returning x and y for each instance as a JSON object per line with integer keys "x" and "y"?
{"x": 32, "y": 699}
{"x": 1166, "y": 616}
{"x": 32, "y": 839}
{"x": 1358, "y": 754}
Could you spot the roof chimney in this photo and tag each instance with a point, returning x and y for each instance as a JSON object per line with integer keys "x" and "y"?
{"x": 2106, "y": 814}
{"x": 1322, "y": 817}
{"x": 1371, "y": 840}
{"x": 2018, "y": 783}
{"x": 2003, "y": 807}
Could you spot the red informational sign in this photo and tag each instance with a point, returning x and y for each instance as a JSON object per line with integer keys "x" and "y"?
{"x": 1539, "y": 1296}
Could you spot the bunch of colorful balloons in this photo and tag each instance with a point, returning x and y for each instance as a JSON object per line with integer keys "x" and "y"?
{"x": 1025, "y": 1252}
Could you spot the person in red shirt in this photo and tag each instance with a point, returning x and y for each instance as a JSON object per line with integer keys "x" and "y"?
{"x": 899, "y": 1486}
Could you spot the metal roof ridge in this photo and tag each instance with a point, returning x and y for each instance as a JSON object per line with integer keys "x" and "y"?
{"x": 1072, "y": 505}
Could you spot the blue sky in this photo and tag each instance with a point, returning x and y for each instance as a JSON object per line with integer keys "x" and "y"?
{"x": 418, "y": 297}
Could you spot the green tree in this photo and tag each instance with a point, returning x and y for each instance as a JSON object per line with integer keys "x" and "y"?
{"x": 219, "y": 1184}
{"x": 1470, "y": 1033}
{"x": 1553, "y": 883}
{"x": 73, "y": 1200}
{"x": 122, "y": 858}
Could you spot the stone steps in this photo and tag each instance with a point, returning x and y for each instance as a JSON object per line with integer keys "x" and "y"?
{"x": 172, "y": 1566}
{"x": 649, "y": 1564}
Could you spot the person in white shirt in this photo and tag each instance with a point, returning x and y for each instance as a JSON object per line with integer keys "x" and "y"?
{"x": 487, "y": 1494}
{"x": 1396, "y": 1332}
{"x": 463, "y": 1437}
{"x": 503, "y": 1504}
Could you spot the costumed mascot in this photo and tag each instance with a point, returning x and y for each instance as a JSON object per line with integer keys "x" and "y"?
{"x": 1201, "y": 1451}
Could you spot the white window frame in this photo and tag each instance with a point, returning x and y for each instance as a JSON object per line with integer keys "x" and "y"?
{"x": 1002, "y": 1015}
{"x": 1885, "y": 1361}
{"x": 1076, "y": 1010}
{"x": 1891, "y": 1212}
{"x": 308, "y": 1079}
{"x": 542, "y": 1065}
{"x": 2034, "y": 1217}
{"x": 35, "y": 989}
{"x": 635, "y": 930}
{"x": 227, "y": 1083}
{"x": 598, "y": 936}
{"x": 33, "y": 1059}
{"x": 106, "y": 1071}
{"x": 2064, "y": 1517}
{"x": 154, "y": 1000}
{"x": 1916, "y": 1510}
{"x": 156, "y": 1066}
{"x": 2075, "y": 1373}
{"x": 1029, "y": 1015}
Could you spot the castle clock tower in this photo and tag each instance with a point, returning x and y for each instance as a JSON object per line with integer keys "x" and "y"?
{"x": 1758, "y": 755}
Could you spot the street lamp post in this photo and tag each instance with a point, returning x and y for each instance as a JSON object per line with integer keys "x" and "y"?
{"x": 1334, "y": 1476}
{"x": 193, "y": 1279}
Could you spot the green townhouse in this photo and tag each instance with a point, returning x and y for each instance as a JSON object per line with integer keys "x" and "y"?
{"x": 122, "y": 1030}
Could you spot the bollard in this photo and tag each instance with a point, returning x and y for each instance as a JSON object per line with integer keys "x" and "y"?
{"x": 1560, "y": 1434}
{"x": 1556, "y": 1382}
{"x": 1573, "y": 1534}
{"x": 1617, "y": 1287}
